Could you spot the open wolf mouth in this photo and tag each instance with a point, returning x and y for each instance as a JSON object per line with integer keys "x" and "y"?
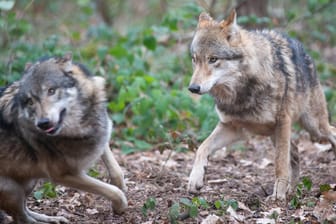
{"x": 53, "y": 129}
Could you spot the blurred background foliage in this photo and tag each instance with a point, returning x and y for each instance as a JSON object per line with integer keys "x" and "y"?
{"x": 142, "y": 48}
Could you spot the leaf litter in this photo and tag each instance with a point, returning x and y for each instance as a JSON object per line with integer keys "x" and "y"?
{"x": 245, "y": 176}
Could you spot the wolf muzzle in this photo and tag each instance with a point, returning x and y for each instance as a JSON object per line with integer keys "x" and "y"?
{"x": 194, "y": 88}
{"x": 46, "y": 125}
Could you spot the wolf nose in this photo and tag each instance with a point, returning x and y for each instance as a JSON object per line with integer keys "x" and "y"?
{"x": 194, "y": 88}
{"x": 44, "y": 124}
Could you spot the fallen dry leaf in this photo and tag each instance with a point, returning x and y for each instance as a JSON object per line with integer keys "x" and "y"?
{"x": 212, "y": 219}
{"x": 226, "y": 178}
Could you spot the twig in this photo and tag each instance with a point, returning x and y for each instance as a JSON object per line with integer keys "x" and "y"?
{"x": 165, "y": 162}
{"x": 25, "y": 9}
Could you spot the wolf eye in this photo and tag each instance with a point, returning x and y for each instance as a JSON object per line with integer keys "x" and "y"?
{"x": 29, "y": 102}
{"x": 193, "y": 59}
{"x": 51, "y": 91}
{"x": 212, "y": 60}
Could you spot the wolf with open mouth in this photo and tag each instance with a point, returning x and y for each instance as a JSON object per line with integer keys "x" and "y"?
{"x": 54, "y": 124}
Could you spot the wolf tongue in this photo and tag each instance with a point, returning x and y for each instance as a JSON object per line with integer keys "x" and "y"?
{"x": 49, "y": 130}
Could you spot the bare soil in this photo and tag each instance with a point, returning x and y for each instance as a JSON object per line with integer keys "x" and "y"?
{"x": 247, "y": 176}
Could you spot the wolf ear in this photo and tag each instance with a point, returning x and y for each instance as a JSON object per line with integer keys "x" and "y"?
{"x": 204, "y": 20}
{"x": 230, "y": 25}
{"x": 67, "y": 62}
{"x": 28, "y": 66}
{"x": 232, "y": 18}
{"x": 67, "y": 56}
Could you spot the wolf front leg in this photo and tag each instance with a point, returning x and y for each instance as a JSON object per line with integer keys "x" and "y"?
{"x": 86, "y": 183}
{"x": 223, "y": 135}
{"x": 115, "y": 172}
{"x": 283, "y": 171}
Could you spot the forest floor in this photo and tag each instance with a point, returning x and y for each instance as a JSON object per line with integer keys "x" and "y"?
{"x": 245, "y": 177}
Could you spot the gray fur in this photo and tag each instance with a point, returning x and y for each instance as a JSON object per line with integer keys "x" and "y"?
{"x": 262, "y": 82}
{"x": 54, "y": 124}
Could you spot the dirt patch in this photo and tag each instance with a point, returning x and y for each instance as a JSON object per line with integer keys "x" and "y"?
{"x": 247, "y": 176}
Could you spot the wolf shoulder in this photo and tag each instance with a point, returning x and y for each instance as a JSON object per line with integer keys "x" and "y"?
{"x": 288, "y": 57}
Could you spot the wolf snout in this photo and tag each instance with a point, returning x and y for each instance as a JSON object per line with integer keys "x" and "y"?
{"x": 194, "y": 88}
{"x": 44, "y": 124}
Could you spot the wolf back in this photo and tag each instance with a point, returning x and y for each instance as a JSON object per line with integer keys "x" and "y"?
{"x": 290, "y": 63}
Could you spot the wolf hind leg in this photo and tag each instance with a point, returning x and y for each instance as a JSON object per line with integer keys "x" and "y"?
{"x": 315, "y": 119}
{"x": 332, "y": 138}
{"x": 295, "y": 166}
{"x": 40, "y": 218}
{"x": 319, "y": 129}
{"x": 115, "y": 172}
{"x": 13, "y": 200}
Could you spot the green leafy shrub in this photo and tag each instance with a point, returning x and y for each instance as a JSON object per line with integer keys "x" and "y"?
{"x": 146, "y": 80}
{"x": 147, "y": 66}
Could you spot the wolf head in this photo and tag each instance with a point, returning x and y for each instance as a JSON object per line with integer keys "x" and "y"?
{"x": 53, "y": 88}
{"x": 216, "y": 55}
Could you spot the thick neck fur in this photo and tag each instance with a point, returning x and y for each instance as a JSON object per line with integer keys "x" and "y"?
{"x": 253, "y": 86}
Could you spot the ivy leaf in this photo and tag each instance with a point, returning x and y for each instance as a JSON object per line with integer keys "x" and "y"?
{"x": 149, "y": 204}
{"x": 118, "y": 51}
{"x": 193, "y": 211}
{"x": 219, "y": 204}
{"x": 295, "y": 203}
{"x": 38, "y": 195}
{"x": 233, "y": 203}
{"x": 174, "y": 212}
{"x": 93, "y": 173}
{"x": 203, "y": 203}
{"x": 307, "y": 183}
{"x": 186, "y": 201}
{"x": 150, "y": 43}
{"x": 325, "y": 187}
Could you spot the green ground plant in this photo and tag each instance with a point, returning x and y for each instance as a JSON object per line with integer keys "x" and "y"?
{"x": 190, "y": 208}
{"x": 147, "y": 66}
{"x": 304, "y": 186}
{"x": 146, "y": 80}
{"x": 149, "y": 205}
{"x": 47, "y": 190}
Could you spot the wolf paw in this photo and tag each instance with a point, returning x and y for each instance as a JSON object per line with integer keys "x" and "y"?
{"x": 60, "y": 220}
{"x": 121, "y": 184}
{"x": 196, "y": 180}
{"x": 281, "y": 188}
{"x": 124, "y": 188}
{"x": 121, "y": 206}
{"x": 41, "y": 218}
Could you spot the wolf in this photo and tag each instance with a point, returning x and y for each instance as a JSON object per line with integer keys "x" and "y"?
{"x": 262, "y": 82}
{"x": 54, "y": 124}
